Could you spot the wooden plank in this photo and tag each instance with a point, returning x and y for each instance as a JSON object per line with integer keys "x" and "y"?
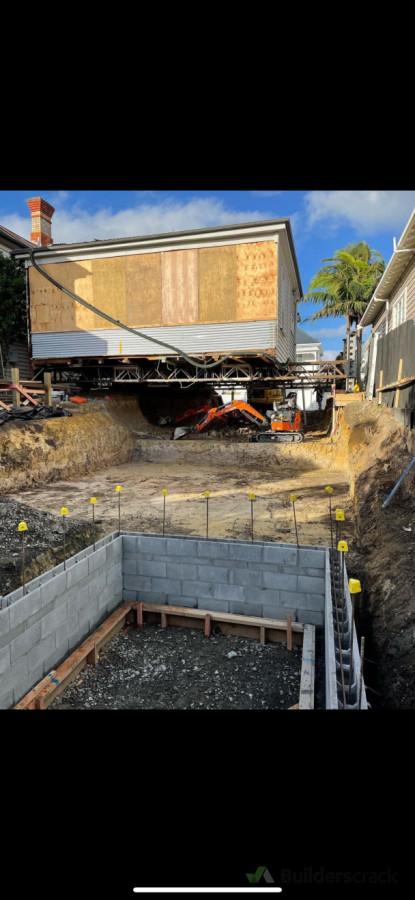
{"x": 15, "y": 388}
{"x": 397, "y": 395}
{"x": 289, "y": 634}
{"x": 110, "y": 289}
{"x": 397, "y": 384}
{"x": 4, "y": 406}
{"x": 262, "y": 634}
{"x": 143, "y": 287}
{"x": 217, "y": 284}
{"x": 140, "y": 614}
{"x": 29, "y": 699}
{"x": 92, "y": 657}
{"x": 47, "y": 381}
{"x": 43, "y": 694}
{"x": 235, "y": 618}
{"x": 164, "y": 621}
{"x": 207, "y": 625}
{"x": 256, "y": 281}
{"x": 180, "y": 287}
{"x": 308, "y": 668}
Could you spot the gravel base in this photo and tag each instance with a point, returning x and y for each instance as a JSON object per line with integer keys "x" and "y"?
{"x": 178, "y": 668}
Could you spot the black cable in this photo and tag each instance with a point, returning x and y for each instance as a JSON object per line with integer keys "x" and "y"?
{"x": 189, "y": 359}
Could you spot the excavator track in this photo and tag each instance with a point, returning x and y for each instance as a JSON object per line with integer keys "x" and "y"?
{"x": 277, "y": 437}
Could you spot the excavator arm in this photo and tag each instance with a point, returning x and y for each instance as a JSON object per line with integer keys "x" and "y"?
{"x": 218, "y": 412}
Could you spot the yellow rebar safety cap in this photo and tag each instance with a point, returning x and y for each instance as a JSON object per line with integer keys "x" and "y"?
{"x": 342, "y": 545}
{"x": 93, "y": 500}
{"x": 329, "y": 489}
{"x": 164, "y": 492}
{"x": 293, "y": 498}
{"x": 354, "y": 586}
{"x": 207, "y": 493}
{"x": 118, "y": 488}
{"x": 64, "y": 511}
{"x": 340, "y": 515}
{"x": 22, "y": 526}
{"x": 252, "y": 496}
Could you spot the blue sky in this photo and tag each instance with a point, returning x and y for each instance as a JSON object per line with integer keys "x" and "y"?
{"x": 323, "y": 221}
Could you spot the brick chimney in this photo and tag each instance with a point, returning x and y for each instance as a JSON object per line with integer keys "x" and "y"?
{"x": 41, "y": 213}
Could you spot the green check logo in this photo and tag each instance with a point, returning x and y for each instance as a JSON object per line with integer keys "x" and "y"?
{"x": 254, "y": 877}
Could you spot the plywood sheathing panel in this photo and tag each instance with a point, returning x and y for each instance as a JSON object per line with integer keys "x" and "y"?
{"x": 180, "y": 287}
{"x": 217, "y": 284}
{"x": 256, "y": 281}
{"x": 143, "y": 290}
{"x": 109, "y": 289}
{"x": 50, "y": 308}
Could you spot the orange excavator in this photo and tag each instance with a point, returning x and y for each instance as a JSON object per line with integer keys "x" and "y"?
{"x": 281, "y": 424}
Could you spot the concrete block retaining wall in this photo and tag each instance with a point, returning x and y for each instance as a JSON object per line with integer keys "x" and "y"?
{"x": 58, "y": 611}
{"x": 257, "y": 579}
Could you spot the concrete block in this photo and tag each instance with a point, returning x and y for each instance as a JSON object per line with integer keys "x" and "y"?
{"x": 308, "y": 570}
{"x": 57, "y": 570}
{"x": 246, "y": 577}
{"x": 114, "y": 574}
{"x": 78, "y": 556}
{"x": 180, "y": 547}
{"x": 129, "y": 566}
{"x": 260, "y": 595}
{"x": 181, "y": 600}
{"x": 228, "y": 592}
{"x": 315, "y": 601}
{"x": 129, "y": 595}
{"x": 4, "y": 621}
{"x": 97, "y": 560}
{"x": 14, "y": 675}
{"x": 280, "y": 555}
{"x": 4, "y": 659}
{"x": 180, "y": 570}
{"x": 114, "y": 550}
{"x": 77, "y": 573}
{"x": 52, "y": 621}
{"x": 106, "y": 598}
{"x": 9, "y": 636}
{"x": 213, "y": 573}
{"x": 272, "y": 611}
{"x": 284, "y": 570}
{"x": 246, "y": 552}
{"x": 65, "y": 631}
{"x": 54, "y": 588}
{"x": 309, "y": 584}
{"x": 152, "y": 567}
{"x": 11, "y": 598}
{"x": 197, "y": 589}
{"x": 154, "y": 545}
{"x": 243, "y": 608}
{"x": 166, "y": 585}
{"x": 25, "y": 642}
{"x": 215, "y": 550}
{"x": 137, "y": 582}
{"x": 129, "y": 544}
{"x": 78, "y": 636}
{"x": 292, "y": 598}
{"x": 41, "y": 653}
{"x": 314, "y": 558}
{"x": 35, "y": 583}
{"x": 280, "y": 582}
{"x": 95, "y": 620}
{"x": 213, "y": 605}
{"x": 310, "y": 617}
{"x": 6, "y": 700}
{"x": 151, "y": 597}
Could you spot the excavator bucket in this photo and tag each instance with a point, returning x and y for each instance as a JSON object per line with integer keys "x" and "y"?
{"x": 180, "y": 432}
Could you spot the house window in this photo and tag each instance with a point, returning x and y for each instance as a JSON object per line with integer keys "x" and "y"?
{"x": 399, "y": 310}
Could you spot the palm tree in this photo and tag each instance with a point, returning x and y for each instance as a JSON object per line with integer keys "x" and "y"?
{"x": 346, "y": 283}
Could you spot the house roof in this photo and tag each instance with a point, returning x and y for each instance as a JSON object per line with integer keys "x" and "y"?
{"x": 303, "y": 338}
{"x": 262, "y": 226}
{"x": 398, "y": 262}
{"x": 16, "y": 238}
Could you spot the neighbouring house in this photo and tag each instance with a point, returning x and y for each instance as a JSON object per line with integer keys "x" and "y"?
{"x": 18, "y": 354}
{"x": 308, "y": 350}
{"x": 223, "y": 292}
{"x": 390, "y": 351}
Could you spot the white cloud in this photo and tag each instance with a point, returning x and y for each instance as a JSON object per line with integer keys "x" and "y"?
{"x": 326, "y": 332}
{"x": 266, "y": 193}
{"x": 366, "y": 211}
{"x": 74, "y": 223}
{"x": 330, "y": 354}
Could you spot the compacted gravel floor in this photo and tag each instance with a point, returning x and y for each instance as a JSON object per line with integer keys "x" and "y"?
{"x": 178, "y": 668}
